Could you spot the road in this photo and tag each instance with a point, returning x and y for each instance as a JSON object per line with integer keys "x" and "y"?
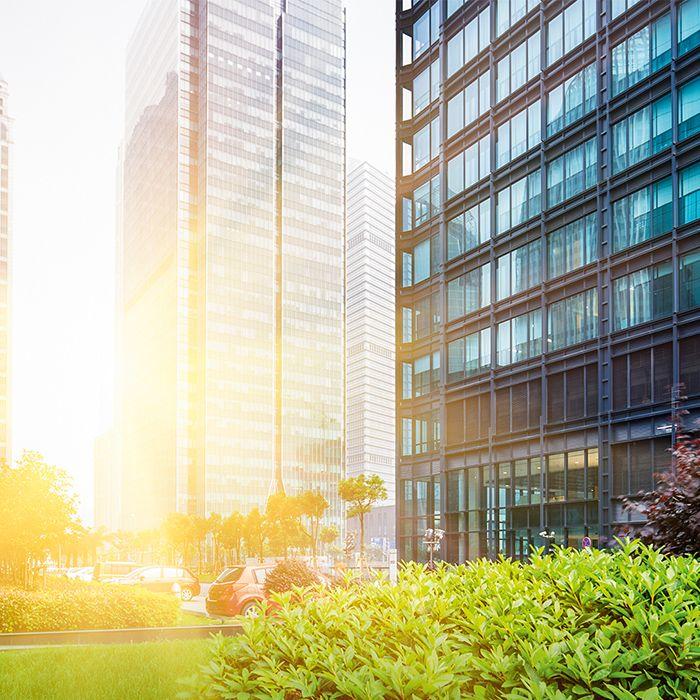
{"x": 196, "y": 605}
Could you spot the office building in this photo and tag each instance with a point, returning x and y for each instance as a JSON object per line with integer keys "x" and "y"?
{"x": 370, "y": 337}
{"x": 549, "y": 298}
{"x": 107, "y": 491}
{"x": 231, "y": 286}
{"x": 5, "y": 266}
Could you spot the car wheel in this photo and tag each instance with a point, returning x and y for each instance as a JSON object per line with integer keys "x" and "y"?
{"x": 186, "y": 594}
{"x": 251, "y": 609}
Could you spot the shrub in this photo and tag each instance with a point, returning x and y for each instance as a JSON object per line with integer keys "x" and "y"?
{"x": 80, "y": 605}
{"x": 287, "y": 574}
{"x": 617, "y": 625}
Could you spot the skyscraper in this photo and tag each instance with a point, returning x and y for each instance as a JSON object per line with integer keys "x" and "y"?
{"x": 231, "y": 283}
{"x": 547, "y": 207}
{"x": 5, "y": 265}
{"x": 370, "y": 339}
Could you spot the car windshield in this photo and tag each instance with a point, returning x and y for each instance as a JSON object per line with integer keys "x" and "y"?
{"x": 230, "y": 575}
{"x": 136, "y": 573}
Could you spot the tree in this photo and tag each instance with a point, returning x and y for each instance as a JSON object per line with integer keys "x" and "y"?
{"x": 232, "y": 532}
{"x": 672, "y": 510}
{"x": 329, "y": 534}
{"x": 283, "y": 522}
{"x": 362, "y": 493}
{"x": 177, "y": 532}
{"x": 38, "y": 510}
{"x": 313, "y": 505}
{"x": 254, "y": 533}
{"x": 215, "y": 524}
{"x": 199, "y": 529}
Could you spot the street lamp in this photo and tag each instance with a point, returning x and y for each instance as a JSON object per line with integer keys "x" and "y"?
{"x": 432, "y": 539}
{"x": 549, "y": 536}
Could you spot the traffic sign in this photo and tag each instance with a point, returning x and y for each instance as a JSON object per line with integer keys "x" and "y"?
{"x": 586, "y": 542}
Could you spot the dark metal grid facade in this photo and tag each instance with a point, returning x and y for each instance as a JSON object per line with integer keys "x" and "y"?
{"x": 429, "y": 492}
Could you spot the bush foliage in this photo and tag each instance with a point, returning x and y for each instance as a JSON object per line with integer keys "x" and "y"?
{"x": 287, "y": 574}
{"x": 78, "y": 605}
{"x": 617, "y": 625}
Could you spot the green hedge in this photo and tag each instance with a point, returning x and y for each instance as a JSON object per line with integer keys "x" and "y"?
{"x": 78, "y": 605}
{"x": 590, "y": 624}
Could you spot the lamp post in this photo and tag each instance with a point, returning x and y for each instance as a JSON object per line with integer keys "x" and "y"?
{"x": 549, "y": 536}
{"x": 432, "y": 539}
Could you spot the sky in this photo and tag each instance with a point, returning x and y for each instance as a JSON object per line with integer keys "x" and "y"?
{"x": 64, "y": 62}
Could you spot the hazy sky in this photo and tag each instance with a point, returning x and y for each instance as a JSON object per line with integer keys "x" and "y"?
{"x": 64, "y": 65}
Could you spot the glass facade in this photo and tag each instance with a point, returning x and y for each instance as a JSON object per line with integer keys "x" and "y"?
{"x": 231, "y": 243}
{"x": 6, "y": 167}
{"x": 565, "y": 290}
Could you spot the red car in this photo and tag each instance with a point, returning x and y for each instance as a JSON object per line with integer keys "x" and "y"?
{"x": 237, "y": 591}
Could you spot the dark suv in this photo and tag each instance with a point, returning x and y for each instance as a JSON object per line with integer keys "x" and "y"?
{"x": 164, "y": 579}
{"x": 237, "y": 591}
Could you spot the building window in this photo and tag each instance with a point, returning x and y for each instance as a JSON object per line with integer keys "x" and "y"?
{"x": 469, "y": 292}
{"x": 572, "y": 173}
{"x": 469, "y": 356}
{"x": 519, "y": 338}
{"x": 634, "y": 464}
{"x": 469, "y": 167}
{"x": 426, "y": 87}
{"x": 642, "y": 215}
{"x": 572, "y": 395}
{"x": 519, "y": 270}
{"x": 426, "y": 144}
{"x": 689, "y": 109}
{"x": 689, "y": 272}
{"x": 642, "y": 296}
{"x": 571, "y": 100}
{"x": 641, "y": 55}
{"x": 572, "y": 246}
{"x": 519, "y": 66}
{"x": 406, "y": 380}
{"x": 572, "y": 320}
{"x": 422, "y": 262}
{"x": 619, "y": 6}
{"x": 426, "y": 30}
{"x": 469, "y": 230}
{"x": 509, "y": 12}
{"x": 570, "y": 28}
{"x": 641, "y": 135}
{"x": 519, "y": 202}
{"x": 406, "y": 437}
{"x": 421, "y": 320}
{"x": 518, "y": 135}
{"x": 689, "y": 180}
{"x": 469, "y": 42}
{"x": 518, "y": 407}
{"x": 688, "y": 26}
{"x": 426, "y": 376}
{"x": 689, "y": 356}
{"x": 643, "y": 377}
{"x": 469, "y": 104}
{"x": 453, "y": 6}
{"x": 422, "y": 205}
{"x": 468, "y": 419}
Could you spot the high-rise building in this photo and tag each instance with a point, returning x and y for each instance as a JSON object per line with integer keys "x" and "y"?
{"x": 370, "y": 339}
{"x": 106, "y": 484}
{"x": 549, "y": 294}
{"x": 5, "y": 264}
{"x": 231, "y": 285}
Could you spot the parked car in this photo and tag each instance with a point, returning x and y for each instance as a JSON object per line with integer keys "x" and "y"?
{"x": 105, "y": 570}
{"x": 81, "y": 573}
{"x": 237, "y": 591}
{"x": 164, "y": 579}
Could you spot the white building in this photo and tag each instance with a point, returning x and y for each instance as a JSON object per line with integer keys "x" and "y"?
{"x": 5, "y": 278}
{"x": 370, "y": 337}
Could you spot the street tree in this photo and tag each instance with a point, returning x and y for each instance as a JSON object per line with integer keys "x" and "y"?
{"x": 254, "y": 533}
{"x": 362, "y": 493}
{"x": 232, "y": 532}
{"x": 312, "y": 506}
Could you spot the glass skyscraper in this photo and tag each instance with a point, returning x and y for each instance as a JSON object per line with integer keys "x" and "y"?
{"x": 547, "y": 217}
{"x": 231, "y": 256}
{"x": 5, "y": 292}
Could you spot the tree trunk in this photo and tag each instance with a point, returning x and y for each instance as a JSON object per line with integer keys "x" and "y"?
{"x": 362, "y": 538}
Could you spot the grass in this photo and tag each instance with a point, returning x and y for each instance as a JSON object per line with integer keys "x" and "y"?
{"x": 189, "y": 619}
{"x": 146, "y": 671}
